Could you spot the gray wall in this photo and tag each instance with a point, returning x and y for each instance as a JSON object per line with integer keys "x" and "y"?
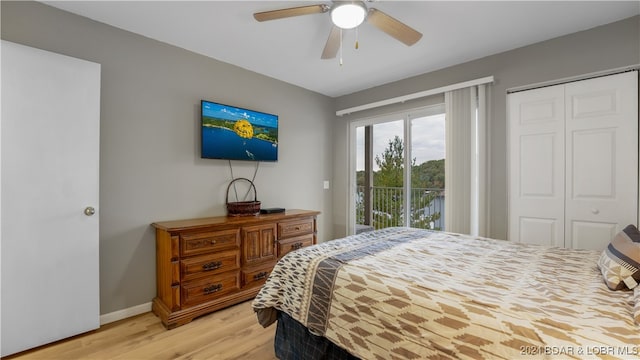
{"x": 605, "y": 47}
{"x": 150, "y": 168}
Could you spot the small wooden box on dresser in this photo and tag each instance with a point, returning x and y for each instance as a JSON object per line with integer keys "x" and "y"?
{"x": 203, "y": 265}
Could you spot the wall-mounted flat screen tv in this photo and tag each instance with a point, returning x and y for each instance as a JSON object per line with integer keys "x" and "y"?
{"x": 234, "y": 133}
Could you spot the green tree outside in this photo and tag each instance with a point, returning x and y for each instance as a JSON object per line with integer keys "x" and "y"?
{"x": 388, "y": 204}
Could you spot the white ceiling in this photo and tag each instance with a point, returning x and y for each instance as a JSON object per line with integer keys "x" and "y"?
{"x": 289, "y": 49}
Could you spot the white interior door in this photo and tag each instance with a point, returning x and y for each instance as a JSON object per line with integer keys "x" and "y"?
{"x": 50, "y": 154}
{"x": 536, "y": 166}
{"x": 602, "y": 159}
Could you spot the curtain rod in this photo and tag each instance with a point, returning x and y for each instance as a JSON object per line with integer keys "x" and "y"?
{"x": 421, "y": 94}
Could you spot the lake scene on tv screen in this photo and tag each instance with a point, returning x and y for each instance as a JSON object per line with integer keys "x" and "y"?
{"x": 238, "y": 134}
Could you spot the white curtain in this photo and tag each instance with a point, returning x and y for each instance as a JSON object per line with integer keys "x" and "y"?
{"x": 466, "y": 161}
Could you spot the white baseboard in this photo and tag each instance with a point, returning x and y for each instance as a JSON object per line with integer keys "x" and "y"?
{"x": 125, "y": 313}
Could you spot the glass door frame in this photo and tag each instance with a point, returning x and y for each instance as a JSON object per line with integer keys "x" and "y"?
{"x": 406, "y": 116}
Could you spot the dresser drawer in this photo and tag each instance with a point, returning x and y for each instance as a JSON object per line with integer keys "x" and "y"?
{"x": 198, "y": 291}
{"x": 200, "y": 243}
{"x": 256, "y": 277}
{"x": 210, "y": 264}
{"x": 288, "y": 245}
{"x": 294, "y": 228}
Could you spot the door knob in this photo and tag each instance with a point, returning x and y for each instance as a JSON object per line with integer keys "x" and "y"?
{"x": 89, "y": 211}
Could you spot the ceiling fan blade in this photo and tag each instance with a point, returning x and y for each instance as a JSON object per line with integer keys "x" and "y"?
{"x": 332, "y": 45}
{"x": 289, "y": 12}
{"x": 393, "y": 27}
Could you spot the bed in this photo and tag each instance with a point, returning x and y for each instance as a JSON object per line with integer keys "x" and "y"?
{"x": 404, "y": 293}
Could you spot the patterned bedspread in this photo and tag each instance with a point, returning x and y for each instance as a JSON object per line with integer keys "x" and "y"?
{"x": 403, "y": 293}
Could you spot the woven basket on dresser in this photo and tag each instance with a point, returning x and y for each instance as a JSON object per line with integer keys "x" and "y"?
{"x": 243, "y": 208}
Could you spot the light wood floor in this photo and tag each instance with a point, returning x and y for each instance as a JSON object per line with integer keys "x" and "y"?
{"x": 231, "y": 333}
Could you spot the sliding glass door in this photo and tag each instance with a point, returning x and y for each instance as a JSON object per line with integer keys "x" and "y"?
{"x": 427, "y": 171}
{"x": 397, "y": 171}
{"x": 380, "y": 175}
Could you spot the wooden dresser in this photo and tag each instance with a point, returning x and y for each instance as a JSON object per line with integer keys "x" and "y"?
{"x": 203, "y": 265}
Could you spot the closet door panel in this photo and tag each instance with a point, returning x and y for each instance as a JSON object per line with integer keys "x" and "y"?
{"x": 602, "y": 159}
{"x": 541, "y": 231}
{"x": 536, "y": 166}
{"x": 589, "y": 234}
{"x": 593, "y": 172}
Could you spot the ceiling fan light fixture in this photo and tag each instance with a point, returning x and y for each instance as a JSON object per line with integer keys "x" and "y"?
{"x": 348, "y": 15}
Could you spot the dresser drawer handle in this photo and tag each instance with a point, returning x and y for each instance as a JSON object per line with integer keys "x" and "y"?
{"x": 213, "y": 242}
{"x": 212, "y": 266}
{"x": 260, "y": 276}
{"x": 296, "y": 246}
{"x": 212, "y": 289}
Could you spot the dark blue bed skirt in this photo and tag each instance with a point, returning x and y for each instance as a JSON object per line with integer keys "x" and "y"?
{"x": 295, "y": 342}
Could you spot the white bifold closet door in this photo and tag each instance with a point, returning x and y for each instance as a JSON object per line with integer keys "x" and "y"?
{"x": 50, "y": 165}
{"x": 573, "y": 162}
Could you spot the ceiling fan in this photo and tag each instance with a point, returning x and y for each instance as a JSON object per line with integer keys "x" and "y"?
{"x": 347, "y": 15}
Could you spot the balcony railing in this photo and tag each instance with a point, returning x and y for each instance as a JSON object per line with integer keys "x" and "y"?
{"x": 387, "y": 207}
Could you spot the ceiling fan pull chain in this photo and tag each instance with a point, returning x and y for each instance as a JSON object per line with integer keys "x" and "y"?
{"x": 340, "y": 46}
{"x": 357, "y": 39}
